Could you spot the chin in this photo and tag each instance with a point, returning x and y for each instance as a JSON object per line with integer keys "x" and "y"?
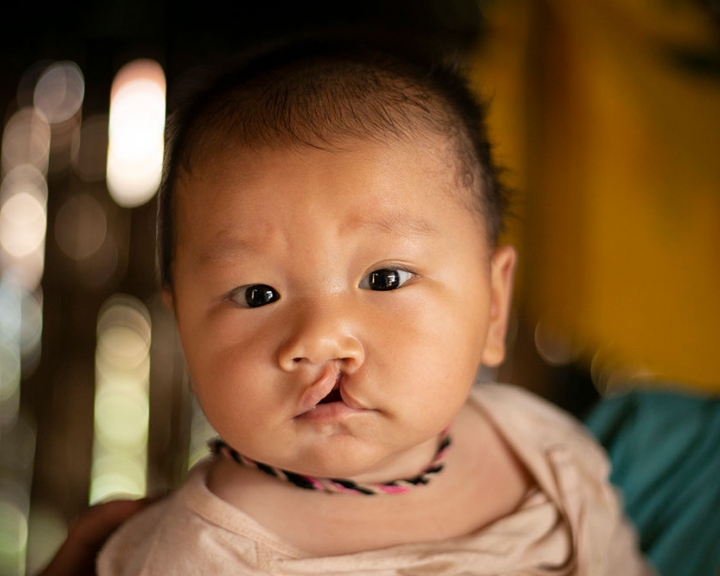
{"x": 334, "y": 463}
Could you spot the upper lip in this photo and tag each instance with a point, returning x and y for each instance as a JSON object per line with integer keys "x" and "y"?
{"x": 349, "y": 400}
{"x": 320, "y": 388}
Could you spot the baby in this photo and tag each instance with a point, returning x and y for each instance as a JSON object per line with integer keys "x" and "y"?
{"x": 328, "y": 230}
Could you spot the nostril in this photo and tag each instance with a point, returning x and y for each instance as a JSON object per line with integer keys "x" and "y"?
{"x": 296, "y": 352}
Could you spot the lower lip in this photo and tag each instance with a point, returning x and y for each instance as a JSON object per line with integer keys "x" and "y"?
{"x": 332, "y": 411}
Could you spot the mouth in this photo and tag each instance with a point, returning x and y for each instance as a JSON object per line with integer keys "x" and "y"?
{"x": 325, "y": 390}
{"x": 328, "y": 399}
{"x": 333, "y": 396}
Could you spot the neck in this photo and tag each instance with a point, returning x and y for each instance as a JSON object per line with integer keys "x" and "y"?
{"x": 339, "y": 485}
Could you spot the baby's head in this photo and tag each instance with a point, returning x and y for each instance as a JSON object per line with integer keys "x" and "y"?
{"x": 320, "y": 94}
{"x": 328, "y": 226}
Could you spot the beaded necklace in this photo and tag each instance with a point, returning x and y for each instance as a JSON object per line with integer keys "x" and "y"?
{"x": 338, "y": 485}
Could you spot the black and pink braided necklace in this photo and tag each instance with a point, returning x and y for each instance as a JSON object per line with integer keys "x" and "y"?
{"x": 338, "y": 485}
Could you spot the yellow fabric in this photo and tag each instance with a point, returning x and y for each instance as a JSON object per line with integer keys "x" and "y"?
{"x": 614, "y": 148}
{"x": 570, "y": 524}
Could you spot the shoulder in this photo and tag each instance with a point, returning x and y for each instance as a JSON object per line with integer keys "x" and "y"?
{"x": 188, "y": 531}
{"x": 125, "y": 550}
{"x": 545, "y": 438}
{"x": 528, "y": 411}
{"x": 571, "y": 468}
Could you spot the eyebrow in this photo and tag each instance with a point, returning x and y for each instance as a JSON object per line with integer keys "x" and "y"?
{"x": 399, "y": 222}
{"x": 228, "y": 242}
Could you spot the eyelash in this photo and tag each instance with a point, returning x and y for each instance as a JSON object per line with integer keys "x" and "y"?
{"x": 365, "y": 282}
{"x": 265, "y": 294}
{"x": 244, "y": 292}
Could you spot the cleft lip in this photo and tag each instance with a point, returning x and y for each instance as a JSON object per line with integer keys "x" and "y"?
{"x": 333, "y": 396}
{"x": 321, "y": 388}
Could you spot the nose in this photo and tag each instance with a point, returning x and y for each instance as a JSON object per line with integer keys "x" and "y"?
{"x": 321, "y": 332}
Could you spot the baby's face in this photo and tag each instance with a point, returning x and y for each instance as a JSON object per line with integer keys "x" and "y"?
{"x": 334, "y": 306}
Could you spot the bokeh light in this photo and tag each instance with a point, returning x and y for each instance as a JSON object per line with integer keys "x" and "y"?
{"x": 121, "y": 412}
{"x": 28, "y": 81}
{"x": 556, "y": 346}
{"x": 26, "y": 140}
{"x": 47, "y": 531}
{"x": 9, "y": 371}
{"x": 10, "y": 359}
{"x": 59, "y": 92}
{"x": 612, "y": 373}
{"x": 23, "y": 222}
{"x": 13, "y": 538}
{"x": 137, "y": 123}
{"x": 122, "y": 368}
{"x": 16, "y": 456}
{"x": 10, "y": 309}
{"x": 9, "y": 384}
{"x": 117, "y": 475}
{"x": 80, "y": 226}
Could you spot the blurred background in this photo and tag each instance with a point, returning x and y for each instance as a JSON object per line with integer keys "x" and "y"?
{"x": 606, "y": 114}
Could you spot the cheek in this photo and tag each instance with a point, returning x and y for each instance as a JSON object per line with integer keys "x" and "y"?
{"x": 449, "y": 321}
{"x": 223, "y": 366}
{"x": 435, "y": 342}
{"x": 234, "y": 390}
{"x": 225, "y": 362}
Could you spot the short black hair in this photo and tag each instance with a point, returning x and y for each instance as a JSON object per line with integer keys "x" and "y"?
{"x": 315, "y": 92}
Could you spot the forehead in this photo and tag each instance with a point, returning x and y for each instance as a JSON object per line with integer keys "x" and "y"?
{"x": 221, "y": 154}
{"x": 399, "y": 184}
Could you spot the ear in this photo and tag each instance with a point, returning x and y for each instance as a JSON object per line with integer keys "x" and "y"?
{"x": 502, "y": 268}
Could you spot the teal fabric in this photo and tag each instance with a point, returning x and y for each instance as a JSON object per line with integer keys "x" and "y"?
{"x": 665, "y": 452}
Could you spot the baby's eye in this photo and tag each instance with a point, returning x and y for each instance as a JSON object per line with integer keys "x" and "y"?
{"x": 255, "y": 295}
{"x": 385, "y": 279}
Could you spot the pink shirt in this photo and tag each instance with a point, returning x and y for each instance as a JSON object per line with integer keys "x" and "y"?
{"x": 569, "y": 524}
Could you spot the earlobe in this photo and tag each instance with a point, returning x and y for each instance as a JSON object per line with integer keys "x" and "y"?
{"x": 502, "y": 269}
